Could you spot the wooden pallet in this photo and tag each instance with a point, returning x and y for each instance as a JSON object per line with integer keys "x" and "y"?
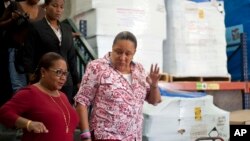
{"x": 164, "y": 77}
{"x": 170, "y": 78}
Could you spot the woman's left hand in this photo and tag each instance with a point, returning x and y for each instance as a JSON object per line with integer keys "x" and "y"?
{"x": 153, "y": 76}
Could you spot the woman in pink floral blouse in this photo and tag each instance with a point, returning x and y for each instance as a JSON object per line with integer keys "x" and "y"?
{"x": 116, "y": 87}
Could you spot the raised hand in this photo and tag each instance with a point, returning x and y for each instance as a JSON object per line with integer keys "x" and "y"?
{"x": 153, "y": 76}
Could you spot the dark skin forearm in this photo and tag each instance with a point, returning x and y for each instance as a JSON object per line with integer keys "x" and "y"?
{"x": 154, "y": 96}
{"x": 31, "y": 126}
{"x": 83, "y": 115}
{"x": 82, "y": 112}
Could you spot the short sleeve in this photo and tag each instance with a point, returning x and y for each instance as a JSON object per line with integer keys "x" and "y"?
{"x": 88, "y": 87}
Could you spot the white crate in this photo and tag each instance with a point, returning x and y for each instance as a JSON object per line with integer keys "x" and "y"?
{"x": 184, "y": 119}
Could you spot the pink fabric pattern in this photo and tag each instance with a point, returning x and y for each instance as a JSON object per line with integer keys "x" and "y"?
{"x": 117, "y": 105}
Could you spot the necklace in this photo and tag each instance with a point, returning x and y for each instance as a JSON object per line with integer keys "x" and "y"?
{"x": 64, "y": 115}
{"x": 59, "y": 107}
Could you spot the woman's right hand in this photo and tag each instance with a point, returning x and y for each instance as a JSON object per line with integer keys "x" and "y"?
{"x": 37, "y": 127}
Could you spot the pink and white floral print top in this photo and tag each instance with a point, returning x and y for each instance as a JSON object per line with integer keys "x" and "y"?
{"x": 117, "y": 104}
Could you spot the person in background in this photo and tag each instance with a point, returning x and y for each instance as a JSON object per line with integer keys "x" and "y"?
{"x": 15, "y": 14}
{"x": 50, "y": 35}
{"x": 15, "y": 10}
{"x": 3, "y": 5}
{"x": 13, "y": 38}
{"x": 116, "y": 87}
{"x": 41, "y": 110}
{"x": 33, "y": 8}
{"x": 4, "y": 73}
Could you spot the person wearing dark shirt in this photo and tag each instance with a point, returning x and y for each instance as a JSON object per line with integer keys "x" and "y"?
{"x": 14, "y": 15}
{"x": 50, "y": 35}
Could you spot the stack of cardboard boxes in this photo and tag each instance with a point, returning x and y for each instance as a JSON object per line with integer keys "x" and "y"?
{"x": 144, "y": 18}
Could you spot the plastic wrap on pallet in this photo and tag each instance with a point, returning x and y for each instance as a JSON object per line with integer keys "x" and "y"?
{"x": 87, "y": 5}
{"x": 184, "y": 119}
{"x": 103, "y": 21}
{"x": 178, "y": 93}
{"x": 197, "y": 45}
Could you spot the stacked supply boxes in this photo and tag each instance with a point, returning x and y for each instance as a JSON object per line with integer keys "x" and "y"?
{"x": 196, "y": 44}
{"x": 184, "y": 119}
{"x": 144, "y": 18}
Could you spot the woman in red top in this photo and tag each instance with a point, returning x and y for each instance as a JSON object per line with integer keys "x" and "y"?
{"x": 41, "y": 110}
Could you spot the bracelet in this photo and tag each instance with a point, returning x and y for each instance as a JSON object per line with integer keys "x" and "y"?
{"x": 86, "y": 130}
{"x": 152, "y": 86}
{"x": 28, "y": 124}
{"x": 85, "y": 135}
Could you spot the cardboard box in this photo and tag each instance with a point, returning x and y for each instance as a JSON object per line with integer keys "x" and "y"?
{"x": 240, "y": 117}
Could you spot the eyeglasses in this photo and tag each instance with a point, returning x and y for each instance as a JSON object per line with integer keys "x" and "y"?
{"x": 60, "y": 72}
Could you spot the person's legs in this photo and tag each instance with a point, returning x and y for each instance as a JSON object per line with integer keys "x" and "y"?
{"x": 17, "y": 80}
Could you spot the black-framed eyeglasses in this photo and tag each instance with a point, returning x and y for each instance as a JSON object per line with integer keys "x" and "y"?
{"x": 59, "y": 72}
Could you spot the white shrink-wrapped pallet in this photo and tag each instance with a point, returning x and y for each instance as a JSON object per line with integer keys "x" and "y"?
{"x": 196, "y": 44}
{"x": 110, "y": 21}
{"x": 184, "y": 119}
{"x": 144, "y": 18}
{"x": 87, "y": 5}
{"x": 148, "y": 51}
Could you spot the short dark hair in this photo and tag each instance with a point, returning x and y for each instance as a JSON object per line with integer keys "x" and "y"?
{"x": 46, "y": 62}
{"x": 125, "y": 35}
{"x": 47, "y": 2}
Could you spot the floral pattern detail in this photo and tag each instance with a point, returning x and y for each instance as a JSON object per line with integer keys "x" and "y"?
{"x": 117, "y": 105}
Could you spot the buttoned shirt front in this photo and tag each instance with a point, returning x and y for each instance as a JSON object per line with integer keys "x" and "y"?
{"x": 117, "y": 104}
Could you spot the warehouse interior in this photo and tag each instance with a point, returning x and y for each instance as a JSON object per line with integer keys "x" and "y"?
{"x": 201, "y": 47}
